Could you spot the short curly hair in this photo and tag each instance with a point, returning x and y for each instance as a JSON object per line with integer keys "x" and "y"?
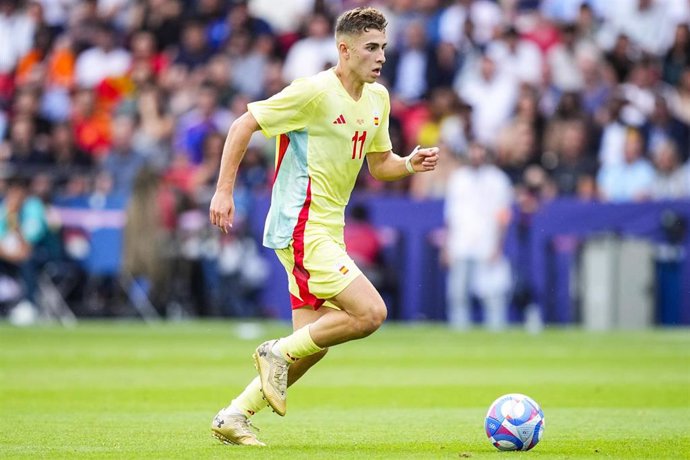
{"x": 360, "y": 20}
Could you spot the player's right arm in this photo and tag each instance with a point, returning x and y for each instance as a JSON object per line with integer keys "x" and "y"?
{"x": 289, "y": 110}
{"x": 222, "y": 210}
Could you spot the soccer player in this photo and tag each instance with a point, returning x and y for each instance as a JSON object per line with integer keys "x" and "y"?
{"x": 325, "y": 126}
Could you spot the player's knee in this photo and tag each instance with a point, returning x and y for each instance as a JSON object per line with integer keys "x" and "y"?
{"x": 369, "y": 323}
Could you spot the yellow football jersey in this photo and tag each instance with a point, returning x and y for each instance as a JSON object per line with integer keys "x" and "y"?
{"x": 323, "y": 135}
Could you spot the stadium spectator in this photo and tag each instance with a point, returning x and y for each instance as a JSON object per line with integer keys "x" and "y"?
{"x": 678, "y": 56}
{"x": 146, "y": 238}
{"x": 240, "y": 18}
{"x": 492, "y": 96}
{"x": 662, "y": 126}
{"x": 206, "y": 117}
{"x": 17, "y": 28}
{"x": 516, "y": 57}
{"x": 614, "y": 130}
{"x": 313, "y": 53}
{"x": 679, "y": 99}
{"x": 671, "y": 179}
{"x": 445, "y": 127}
{"x": 646, "y": 22}
{"x": 123, "y": 162}
{"x": 443, "y": 64}
{"x": 251, "y": 60}
{"x": 408, "y": 65}
{"x": 484, "y": 17}
{"x": 587, "y": 23}
{"x": 283, "y": 17}
{"x": 145, "y": 52}
{"x": 477, "y": 214}
{"x": 564, "y": 60}
{"x": 193, "y": 51}
{"x": 56, "y": 13}
{"x": 219, "y": 75}
{"x": 573, "y": 167}
{"x": 27, "y": 104}
{"x": 537, "y": 29}
{"x": 24, "y": 154}
{"x": 91, "y": 123}
{"x": 104, "y": 59}
{"x": 516, "y": 148}
{"x": 620, "y": 58}
{"x": 23, "y": 226}
{"x": 242, "y": 271}
{"x": 163, "y": 18}
{"x": 597, "y": 84}
{"x": 527, "y": 111}
{"x": 154, "y": 131}
{"x": 631, "y": 180}
{"x": 83, "y": 24}
{"x": 67, "y": 159}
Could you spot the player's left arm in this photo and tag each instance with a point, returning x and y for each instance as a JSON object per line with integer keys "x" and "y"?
{"x": 389, "y": 166}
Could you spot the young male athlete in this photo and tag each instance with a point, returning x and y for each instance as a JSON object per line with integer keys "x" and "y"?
{"x": 326, "y": 125}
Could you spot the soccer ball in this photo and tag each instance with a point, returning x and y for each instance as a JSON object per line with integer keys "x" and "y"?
{"x": 514, "y": 422}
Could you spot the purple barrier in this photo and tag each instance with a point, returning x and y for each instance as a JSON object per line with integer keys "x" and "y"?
{"x": 546, "y": 254}
{"x": 572, "y": 218}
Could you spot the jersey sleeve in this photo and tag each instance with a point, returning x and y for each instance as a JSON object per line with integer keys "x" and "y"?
{"x": 382, "y": 141}
{"x": 289, "y": 110}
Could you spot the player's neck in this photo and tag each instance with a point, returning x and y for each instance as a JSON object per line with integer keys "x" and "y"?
{"x": 352, "y": 84}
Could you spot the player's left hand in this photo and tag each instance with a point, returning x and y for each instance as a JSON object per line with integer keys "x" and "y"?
{"x": 424, "y": 159}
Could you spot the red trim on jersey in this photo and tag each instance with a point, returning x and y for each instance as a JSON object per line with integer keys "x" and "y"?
{"x": 298, "y": 271}
{"x": 282, "y": 148}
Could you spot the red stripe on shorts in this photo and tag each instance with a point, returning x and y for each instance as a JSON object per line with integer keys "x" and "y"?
{"x": 298, "y": 271}
{"x": 282, "y": 148}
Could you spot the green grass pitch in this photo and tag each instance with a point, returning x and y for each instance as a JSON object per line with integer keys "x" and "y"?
{"x": 128, "y": 390}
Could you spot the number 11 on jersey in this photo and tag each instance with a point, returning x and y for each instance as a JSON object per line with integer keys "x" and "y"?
{"x": 361, "y": 140}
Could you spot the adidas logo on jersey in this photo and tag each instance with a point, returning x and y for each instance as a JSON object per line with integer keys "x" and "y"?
{"x": 340, "y": 120}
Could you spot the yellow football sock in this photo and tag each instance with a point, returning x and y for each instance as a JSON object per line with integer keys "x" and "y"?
{"x": 250, "y": 401}
{"x": 296, "y": 345}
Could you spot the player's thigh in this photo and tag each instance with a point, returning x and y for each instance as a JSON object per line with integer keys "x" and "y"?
{"x": 360, "y": 298}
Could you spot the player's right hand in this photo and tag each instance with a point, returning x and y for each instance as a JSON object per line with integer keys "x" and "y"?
{"x": 222, "y": 210}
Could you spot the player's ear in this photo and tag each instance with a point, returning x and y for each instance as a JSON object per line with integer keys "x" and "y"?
{"x": 344, "y": 42}
{"x": 343, "y": 49}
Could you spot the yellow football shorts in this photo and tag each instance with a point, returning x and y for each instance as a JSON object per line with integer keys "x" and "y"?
{"x": 318, "y": 269}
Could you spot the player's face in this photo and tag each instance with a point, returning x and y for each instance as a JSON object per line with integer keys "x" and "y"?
{"x": 367, "y": 55}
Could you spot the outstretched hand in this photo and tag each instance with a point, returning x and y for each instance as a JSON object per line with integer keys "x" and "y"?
{"x": 222, "y": 210}
{"x": 424, "y": 159}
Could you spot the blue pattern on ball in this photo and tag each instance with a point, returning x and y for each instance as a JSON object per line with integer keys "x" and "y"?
{"x": 520, "y": 428}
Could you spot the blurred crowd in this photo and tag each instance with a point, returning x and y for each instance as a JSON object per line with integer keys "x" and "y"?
{"x": 580, "y": 98}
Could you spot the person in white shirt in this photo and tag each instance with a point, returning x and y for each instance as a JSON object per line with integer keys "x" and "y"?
{"x": 16, "y": 35}
{"x": 492, "y": 96}
{"x": 517, "y": 57}
{"x": 102, "y": 61}
{"x": 485, "y": 15}
{"x": 312, "y": 54}
{"x": 648, "y": 23}
{"x": 477, "y": 214}
{"x": 631, "y": 180}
